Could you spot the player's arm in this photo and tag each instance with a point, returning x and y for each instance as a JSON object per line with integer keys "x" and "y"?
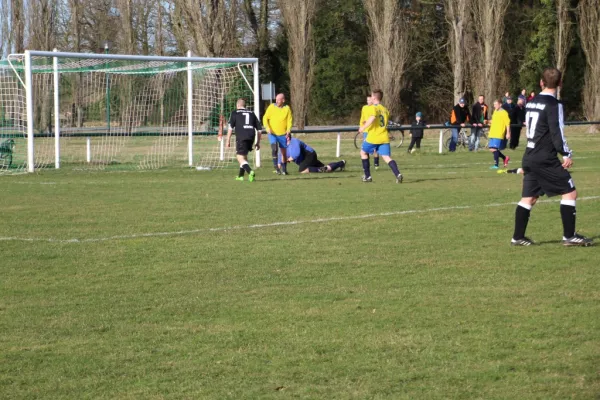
{"x": 230, "y": 126}
{"x": 556, "y": 125}
{"x": 229, "y": 133}
{"x": 367, "y": 124}
{"x": 290, "y": 120}
{"x": 259, "y": 129}
{"x": 266, "y": 118}
{"x": 507, "y": 122}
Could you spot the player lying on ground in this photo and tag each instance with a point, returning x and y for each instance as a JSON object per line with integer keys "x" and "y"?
{"x": 246, "y": 126}
{"x": 307, "y": 160}
{"x": 544, "y": 173}
{"x": 378, "y": 137}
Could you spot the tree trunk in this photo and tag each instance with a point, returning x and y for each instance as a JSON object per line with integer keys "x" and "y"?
{"x": 489, "y": 24}
{"x": 458, "y": 18}
{"x": 589, "y": 32}
{"x": 298, "y": 19}
{"x": 389, "y": 49}
{"x": 564, "y": 36}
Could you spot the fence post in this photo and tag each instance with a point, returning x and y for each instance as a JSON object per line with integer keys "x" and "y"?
{"x": 339, "y": 144}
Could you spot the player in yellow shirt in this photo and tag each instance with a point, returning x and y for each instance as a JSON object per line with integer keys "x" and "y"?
{"x": 277, "y": 121}
{"x": 378, "y": 138}
{"x": 363, "y": 118}
{"x": 499, "y": 134}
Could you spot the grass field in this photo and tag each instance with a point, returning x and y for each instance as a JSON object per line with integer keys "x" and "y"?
{"x": 187, "y": 284}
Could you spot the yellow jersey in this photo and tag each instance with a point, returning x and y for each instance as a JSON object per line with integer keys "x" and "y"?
{"x": 500, "y": 121}
{"x": 278, "y": 119}
{"x": 362, "y": 115}
{"x": 377, "y": 132}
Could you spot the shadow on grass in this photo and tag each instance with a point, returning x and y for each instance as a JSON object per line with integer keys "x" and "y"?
{"x": 560, "y": 241}
{"x": 299, "y": 177}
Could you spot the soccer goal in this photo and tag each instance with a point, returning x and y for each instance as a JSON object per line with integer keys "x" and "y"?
{"x": 102, "y": 111}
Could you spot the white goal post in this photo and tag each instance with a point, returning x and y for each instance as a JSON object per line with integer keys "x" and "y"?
{"x": 120, "y": 111}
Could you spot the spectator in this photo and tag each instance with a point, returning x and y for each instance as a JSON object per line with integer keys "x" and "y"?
{"x": 517, "y": 117}
{"x": 460, "y": 116}
{"x": 509, "y": 105}
{"x": 531, "y": 96}
{"x": 523, "y": 96}
{"x": 479, "y": 119}
{"x": 417, "y": 134}
{"x": 506, "y": 97}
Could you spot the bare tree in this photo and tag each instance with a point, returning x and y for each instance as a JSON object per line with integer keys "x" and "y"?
{"x": 207, "y": 26}
{"x": 298, "y": 19}
{"x": 564, "y": 36}
{"x": 488, "y": 20}
{"x": 458, "y": 17}
{"x": 589, "y": 32}
{"x": 389, "y": 49}
{"x": 18, "y": 26}
{"x": 258, "y": 20}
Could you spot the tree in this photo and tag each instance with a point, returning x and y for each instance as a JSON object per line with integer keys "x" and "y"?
{"x": 488, "y": 17}
{"x": 458, "y": 17}
{"x": 589, "y": 32}
{"x": 298, "y": 20}
{"x": 564, "y": 35}
{"x": 390, "y": 44}
{"x": 341, "y": 67}
{"x": 208, "y": 27}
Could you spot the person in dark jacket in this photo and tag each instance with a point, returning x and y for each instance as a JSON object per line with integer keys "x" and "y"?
{"x": 479, "y": 118}
{"x": 417, "y": 134}
{"x": 509, "y": 105}
{"x": 459, "y": 116}
{"x": 517, "y": 117}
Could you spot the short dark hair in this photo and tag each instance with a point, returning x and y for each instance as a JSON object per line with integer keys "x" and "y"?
{"x": 551, "y": 77}
{"x": 378, "y": 93}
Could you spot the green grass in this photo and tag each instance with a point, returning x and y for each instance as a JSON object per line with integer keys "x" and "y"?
{"x": 428, "y": 305}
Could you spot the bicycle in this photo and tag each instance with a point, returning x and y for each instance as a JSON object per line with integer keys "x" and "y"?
{"x": 396, "y": 139}
{"x": 464, "y": 138}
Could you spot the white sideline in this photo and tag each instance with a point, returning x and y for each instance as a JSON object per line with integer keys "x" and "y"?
{"x": 269, "y": 225}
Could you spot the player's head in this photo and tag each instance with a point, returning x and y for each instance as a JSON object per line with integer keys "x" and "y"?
{"x": 376, "y": 96}
{"x": 551, "y": 78}
{"x": 497, "y": 104}
{"x": 419, "y": 115}
{"x": 481, "y": 99}
{"x": 280, "y": 99}
{"x": 369, "y": 100}
{"x": 241, "y": 103}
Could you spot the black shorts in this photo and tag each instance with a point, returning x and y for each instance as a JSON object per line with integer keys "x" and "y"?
{"x": 243, "y": 147}
{"x": 310, "y": 160}
{"x": 549, "y": 179}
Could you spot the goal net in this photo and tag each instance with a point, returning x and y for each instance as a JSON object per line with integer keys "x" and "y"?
{"x": 94, "y": 111}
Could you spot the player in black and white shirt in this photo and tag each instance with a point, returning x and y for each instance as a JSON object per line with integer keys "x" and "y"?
{"x": 544, "y": 173}
{"x": 246, "y": 126}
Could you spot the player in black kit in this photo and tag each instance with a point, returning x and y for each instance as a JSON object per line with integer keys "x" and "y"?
{"x": 246, "y": 126}
{"x": 544, "y": 173}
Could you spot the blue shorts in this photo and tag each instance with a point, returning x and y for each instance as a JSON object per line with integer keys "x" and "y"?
{"x": 383, "y": 149}
{"x": 499, "y": 144}
{"x": 280, "y": 140}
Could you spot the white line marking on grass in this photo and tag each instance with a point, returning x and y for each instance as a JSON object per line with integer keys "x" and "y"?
{"x": 268, "y": 225}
